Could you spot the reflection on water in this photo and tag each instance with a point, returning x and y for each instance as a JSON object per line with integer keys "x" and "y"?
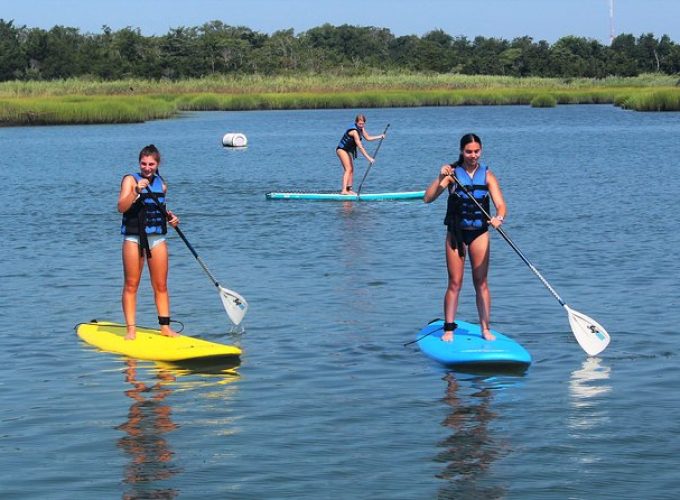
{"x": 150, "y": 420}
{"x": 208, "y": 372}
{"x": 585, "y": 386}
{"x": 347, "y": 208}
{"x": 588, "y": 382}
{"x": 590, "y": 416}
{"x": 471, "y": 449}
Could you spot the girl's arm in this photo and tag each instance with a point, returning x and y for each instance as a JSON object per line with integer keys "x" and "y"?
{"x": 497, "y": 198}
{"x": 372, "y": 137}
{"x": 438, "y": 185}
{"x": 357, "y": 140}
{"x": 173, "y": 220}
{"x": 128, "y": 194}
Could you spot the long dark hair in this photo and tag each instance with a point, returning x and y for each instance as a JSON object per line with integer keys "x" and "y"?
{"x": 464, "y": 141}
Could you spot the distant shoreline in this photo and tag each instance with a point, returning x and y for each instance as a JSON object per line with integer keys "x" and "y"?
{"x": 84, "y": 101}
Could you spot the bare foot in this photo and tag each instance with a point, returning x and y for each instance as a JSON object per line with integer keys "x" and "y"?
{"x": 488, "y": 335}
{"x": 168, "y": 332}
{"x": 131, "y": 333}
{"x": 447, "y": 337}
{"x": 347, "y": 192}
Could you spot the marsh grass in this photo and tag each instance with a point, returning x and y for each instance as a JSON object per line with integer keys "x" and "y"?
{"x": 90, "y": 101}
{"x": 256, "y": 84}
{"x": 83, "y": 110}
{"x": 659, "y": 100}
{"x": 544, "y": 101}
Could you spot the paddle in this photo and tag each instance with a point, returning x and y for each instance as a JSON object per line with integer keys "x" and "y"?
{"x": 234, "y": 304}
{"x": 591, "y": 336}
{"x": 374, "y": 157}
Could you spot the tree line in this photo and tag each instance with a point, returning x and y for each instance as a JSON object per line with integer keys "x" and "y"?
{"x": 216, "y": 48}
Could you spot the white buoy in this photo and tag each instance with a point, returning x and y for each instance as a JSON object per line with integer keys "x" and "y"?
{"x": 234, "y": 140}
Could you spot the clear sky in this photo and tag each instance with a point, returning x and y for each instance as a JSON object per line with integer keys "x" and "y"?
{"x": 541, "y": 19}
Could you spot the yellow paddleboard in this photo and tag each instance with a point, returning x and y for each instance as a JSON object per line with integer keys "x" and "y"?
{"x": 150, "y": 344}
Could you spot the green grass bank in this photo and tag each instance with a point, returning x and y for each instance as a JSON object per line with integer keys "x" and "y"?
{"x": 85, "y": 101}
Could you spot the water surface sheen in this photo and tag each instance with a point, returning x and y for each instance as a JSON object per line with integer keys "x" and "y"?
{"x": 327, "y": 402}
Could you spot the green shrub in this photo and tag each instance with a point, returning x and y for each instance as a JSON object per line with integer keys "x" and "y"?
{"x": 544, "y": 101}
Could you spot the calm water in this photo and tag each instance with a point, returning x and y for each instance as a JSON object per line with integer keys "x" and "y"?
{"x": 327, "y": 402}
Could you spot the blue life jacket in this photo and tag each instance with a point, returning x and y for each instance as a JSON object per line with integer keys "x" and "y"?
{"x": 347, "y": 142}
{"x": 144, "y": 215}
{"x": 461, "y": 211}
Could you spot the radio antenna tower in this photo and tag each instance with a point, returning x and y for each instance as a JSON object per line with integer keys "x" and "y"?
{"x": 611, "y": 21}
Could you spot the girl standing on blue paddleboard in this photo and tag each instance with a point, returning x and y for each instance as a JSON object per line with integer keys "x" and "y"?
{"x": 467, "y": 228}
{"x": 144, "y": 228}
{"x": 347, "y": 150}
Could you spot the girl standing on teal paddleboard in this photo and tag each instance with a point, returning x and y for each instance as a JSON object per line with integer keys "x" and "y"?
{"x": 144, "y": 228}
{"x": 347, "y": 150}
{"x": 468, "y": 228}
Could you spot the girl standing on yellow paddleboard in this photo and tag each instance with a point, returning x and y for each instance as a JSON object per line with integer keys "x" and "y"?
{"x": 144, "y": 228}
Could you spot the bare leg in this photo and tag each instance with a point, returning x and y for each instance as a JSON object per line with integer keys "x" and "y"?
{"x": 133, "y": 264}
{"x": 479, "y": 261}
{"x": 348, "y": 166}
{"x": 158, "y": 269}
{"x": 455, "y": 265}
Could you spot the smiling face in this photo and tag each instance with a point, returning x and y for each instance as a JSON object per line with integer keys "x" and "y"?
{"x": 148, "y": 165}
{"x": 471, "y": 153}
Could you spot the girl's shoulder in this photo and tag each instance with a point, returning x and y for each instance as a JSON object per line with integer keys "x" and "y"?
{"x": 130, "y": 177}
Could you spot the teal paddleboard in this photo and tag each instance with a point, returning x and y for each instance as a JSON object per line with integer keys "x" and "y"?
{"x": 405, "y": 195}
{"x": 469, "y": 348}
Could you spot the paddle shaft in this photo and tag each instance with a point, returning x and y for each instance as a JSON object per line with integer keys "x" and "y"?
{"x": 512, "y": 244}
{"x": 197, "y": 257}
{"x": 374, "y": 157}
{"x": 185, "y": 240}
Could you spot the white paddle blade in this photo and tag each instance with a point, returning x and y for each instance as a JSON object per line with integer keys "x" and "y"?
{"x": 235, "y": 305}
{"x": 591, "y": 335}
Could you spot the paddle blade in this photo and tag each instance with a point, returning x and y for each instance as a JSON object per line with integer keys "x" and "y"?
{"x": 235, "y": 305}
{"x": 591, "y": 335}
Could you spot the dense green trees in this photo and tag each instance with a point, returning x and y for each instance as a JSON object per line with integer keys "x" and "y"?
{"x": 12, "y": 60}
{"x": 216, "y": 48}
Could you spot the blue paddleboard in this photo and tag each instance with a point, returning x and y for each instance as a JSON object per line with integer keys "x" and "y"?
{"x": 469, "y": 348}
{"x": 405, "y": 195}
